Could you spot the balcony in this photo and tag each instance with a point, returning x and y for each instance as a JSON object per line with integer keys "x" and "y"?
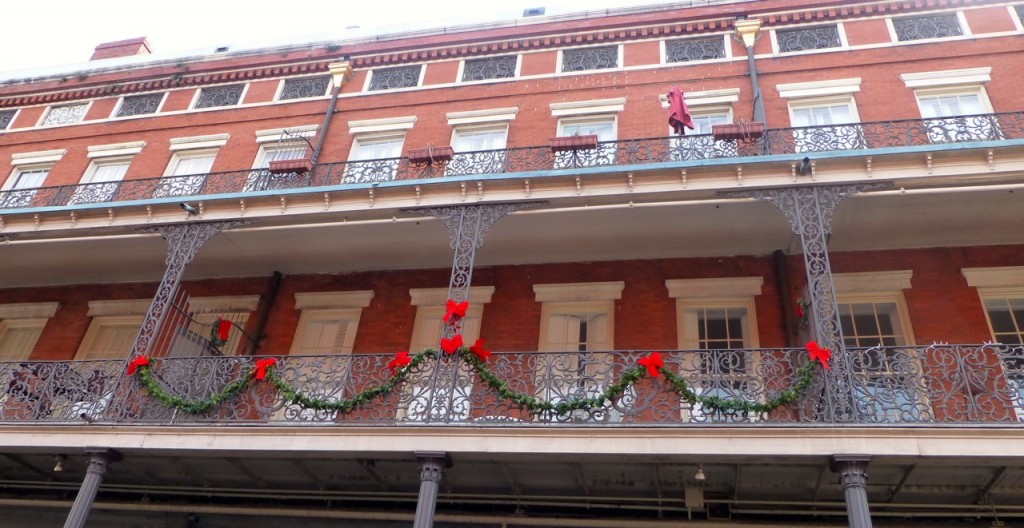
{"x": 935, "y": 385}
{"x": 857, "y": 139}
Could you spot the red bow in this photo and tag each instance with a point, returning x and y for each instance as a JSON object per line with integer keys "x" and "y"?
{"x": 223, "y": 327}
{"x": 401, "y": 359}
{"x": 453, "y": 310}
{"x": 451, "y": 345}
{"x": 653, "y": 362}
{"x": 262, "y": 366}
{"x": 816, "y": 352}
{"x": 799, "y": 311}
{"x": 479, "y": 351}
{"x": 139, "y": 361}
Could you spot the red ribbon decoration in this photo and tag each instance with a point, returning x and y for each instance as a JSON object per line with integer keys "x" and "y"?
{"x": 653, "y": 362}
{"x": 401, "y": 359}
{"x": 223, "y": 327}
{"x": 139, "y": 361}
{"x": 479, "y": 351}
{"x": 262, "y": 366}
{"x": 453, "y": 310}
{"x": 451, "y": 345}
{"x": 818, "y": 353}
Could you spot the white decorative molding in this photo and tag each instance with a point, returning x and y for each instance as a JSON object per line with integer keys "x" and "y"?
{"x": 28, "y": 310}
{"x": 122, "y": 307}
{"x": 818, "y": 88}
{"x": 597, "y": 106}
{"x": 579, "y": 291}
{"x": 115, "y": 149}
{"x": 439, "y": 296}
{"x": 482, "y": 116}
{"x": 333, "y": 300}
{"x": 947, "y": 77}
{"x": 872, "y": 282}
{"x": 998, "y": 277}
{"x": 227, "y": 303}
{"x": 706, "y": 98}
{"x": 199, "y": 142}
{"x": 40, "y": 156}
{"x": 381, "y": 125}
{"x": 278, "y": 134}
{"x": 714, "y": 288}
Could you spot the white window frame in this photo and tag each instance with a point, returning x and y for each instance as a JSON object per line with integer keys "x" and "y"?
{"x": 105, "y": 156}
{"x": 663, "y": 51}
{"x": 21, "y": 197}
{"x": 970, "y": 81}
{"x": 1005, "y": 282}
{"x": 42, "y": 118}
{"x": 965, "y": 29}
{"x": 844, "y": 44}
{"x": 14, "y": 118}
{"x": 816, "y": 94}
{"x": 199, "y": 91}
{"x": 1017, "y": 22}
{"x": 107, "y": 313}
{"x": 462, "y": 68}
{"x": 120, "y": 101}
{"x": 19, "y": 316}
{"x": 369, "y": 78}
{"x": 493, "y": 161}
{"x": 560, "y": 62}
{"x": 280, "y": 89}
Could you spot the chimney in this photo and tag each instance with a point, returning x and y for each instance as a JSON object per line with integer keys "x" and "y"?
{"x": 121, "y": 48}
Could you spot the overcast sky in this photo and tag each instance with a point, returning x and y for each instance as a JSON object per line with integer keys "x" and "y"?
{"x": 47, "y": 33}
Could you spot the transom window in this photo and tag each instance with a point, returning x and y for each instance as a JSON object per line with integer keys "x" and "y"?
{"x": 392, "y": 78}
{"x": 305, "y": 87}
{"x": 689, "y": 50}
{"x": 139, "y": 104}
{"x": 802, "y": 39}
{"x": 65, "y": 114}
{"x": 6, "y": 117}
{"x": 940, "y": 25}
{"x": 215, "y": 96}
{"x": 595, "y": 58}
{"x": 503, "y": 67}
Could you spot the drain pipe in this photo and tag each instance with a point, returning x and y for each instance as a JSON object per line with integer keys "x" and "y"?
{"x": 747, "y": 31}
{"x": 269, "y": 296}
{"x": 782, "y": 274}
{"x": 341, "y": 72}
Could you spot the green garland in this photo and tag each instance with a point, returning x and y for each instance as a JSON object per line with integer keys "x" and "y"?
{"x": 533, "y": 404}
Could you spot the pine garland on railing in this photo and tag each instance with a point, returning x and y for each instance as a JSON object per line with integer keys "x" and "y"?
{"x": 476, "y": 356}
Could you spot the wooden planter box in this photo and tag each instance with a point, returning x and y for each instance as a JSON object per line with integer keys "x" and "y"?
{"x": 746, "y": 131}
{"x": 430, "y": 154}
{"x": 562, "y": 144}
{"x": 297, "y": 166}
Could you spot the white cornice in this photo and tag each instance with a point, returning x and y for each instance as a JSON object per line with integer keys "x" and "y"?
{"x": 28, "y": 310}
{"x": 199, "y": 142}
{"x": 333, "y": 300}
{"x": 482, "y": 116}
{"x": 116, "y": 149}
{"x": 228, "y": 303}
{"x": 597, "y": 106}
{"x": 947, "y": 77}
{"x": 439, "y": 296}
{"x": 999, "y": 277}
{"x": 712, "y": 288}
{"x": 872, "y": 282}
{"x": 819, "y": 88}
{"x": 381, "y": 125}
{"x": 121, "y": 307}
{"x": 579, "y": 291}
{"x": 39, "y": 156}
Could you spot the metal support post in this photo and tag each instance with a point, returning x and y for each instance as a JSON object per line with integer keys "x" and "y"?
{"x": 809, "y": 210}
{"x": 432, "y": 466}
{"x": 851, "y": 469}
{"x": 99, "y": 461}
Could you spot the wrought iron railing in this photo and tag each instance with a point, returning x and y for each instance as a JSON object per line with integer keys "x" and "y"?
{"x": 830, "y": 138}
{"x": 939, "y": 384}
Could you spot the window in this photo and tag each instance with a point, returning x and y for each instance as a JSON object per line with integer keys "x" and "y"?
{"x": 374, "y": 159}
{"x": 577, "y": 326}
{"x": 592, "y": 58}
{"x": 191, "y": 334}
{"x": 305, "y": 87}
{"x": 707, "y": 108}
{"x": 109, "y": 337}
{"x": 65, "y": 114}
{"x": 440, "y": 398}
{"x": 873, "y": 317}
{"x": 601, "y": 126}
{"x": 954, "y": 104}
{"x": 215, "y": 96}
{"x": 940, "y": 25}
{"x": 805, "y": 39}
{"x": 279, "y": 144}
{"x": 100, "y": 182}
{"x": 21, "y": 324}
{"x": 393, "y": 78}
{"x": 22, "y": 185}
{"x": 502, "y": 67}
{"x": 1002, "y": 295}
{"x": 191, "y": 162}
{"x": 692, "y": 50}
{"x": 478, "y": 150}
{"x": 6, "y": 118}
{"x": 139, "y": 104}
{"x": 824, "y": 115}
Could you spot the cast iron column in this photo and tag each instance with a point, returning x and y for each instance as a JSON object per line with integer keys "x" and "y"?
{"x": 100, "y": 460}
{"x": 851, "y": 469}
{"x": 431, "y": 470}
{"x": 809, "y": 210}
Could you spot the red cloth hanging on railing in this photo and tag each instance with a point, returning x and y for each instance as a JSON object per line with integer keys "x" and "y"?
{"x": 678, "y": 113}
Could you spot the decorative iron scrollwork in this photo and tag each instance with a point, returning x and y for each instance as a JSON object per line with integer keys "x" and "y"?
{"x": 502, "y": 67}
{"x": 687, "y": 50}
{"x": 583, "y": 59}
{"x": 927, "y": 27}
{"x": 140, "y": 104}
{"x": 65, "y": 115}
{"x": 391, "y": 78}
{"x": 215, "y": 96}
{"x": 305, "y": 87}
{"x": 6, "y": 117}
{"x": 800, "y": 39}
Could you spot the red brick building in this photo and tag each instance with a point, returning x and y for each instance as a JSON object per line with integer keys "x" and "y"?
{"x": 853, "y": 177}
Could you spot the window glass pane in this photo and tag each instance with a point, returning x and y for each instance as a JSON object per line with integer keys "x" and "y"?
{"x": 473, "y": 140}
{"x": 378, "y": 149}
{"x": 109, "y": 172}
{"x": 31, "y": 179}
{"x": 603, "y": 129}
{"x": 871, "y": 324}
{"x": 702, "y": 123}
{"x": 194, "y": 165}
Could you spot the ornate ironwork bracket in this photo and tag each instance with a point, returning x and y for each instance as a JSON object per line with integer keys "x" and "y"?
{"x": 183, "y": 241}
{"x": 809, "y": 211}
